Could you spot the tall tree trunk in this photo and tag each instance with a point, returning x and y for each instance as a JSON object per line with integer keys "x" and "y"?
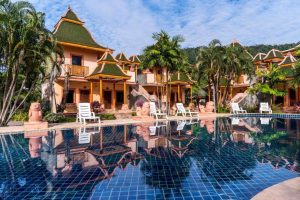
{"x": 226, "y": 91}
{"x": 215, "y": 98}
{"x": 167, "y": 92}
{"x": 66, "y": 91}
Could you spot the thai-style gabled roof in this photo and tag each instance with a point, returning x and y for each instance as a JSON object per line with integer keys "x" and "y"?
{"x": 236, "y": 43}
{"x": 291, "y": 49}
{"x": 273, "y": 54}
{"x": 288, "y": 60}
{"x": 259, "y": 58}
{"x": 70, "y": 30}
{"x": 108, "y": 68}
{"x": 71, "y": 15}
{"x": 180, "y": 78}
{"x": 107, "y": 57}
{"x": 122, "y": 58}
{"x": 134, "y": 59}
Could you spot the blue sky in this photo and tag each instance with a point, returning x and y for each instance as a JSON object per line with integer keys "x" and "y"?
{"x": 127, "y": 25}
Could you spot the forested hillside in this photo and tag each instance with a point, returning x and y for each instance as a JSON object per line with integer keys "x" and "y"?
{"x": 253, "y": 50}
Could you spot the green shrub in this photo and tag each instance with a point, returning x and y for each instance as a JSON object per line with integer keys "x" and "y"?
{"x": 20, "y": 115}
{"x": 69, "y": 119}
{"x": 133, "y": 114}
{"x": 222, "y": 109}
{"x": 106, "y": 116}
{"x": 55, "y": 118}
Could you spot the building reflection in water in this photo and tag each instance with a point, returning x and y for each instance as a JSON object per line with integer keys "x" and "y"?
{"x": 163, "y": 155}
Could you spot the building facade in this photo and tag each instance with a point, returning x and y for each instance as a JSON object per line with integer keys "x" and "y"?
{"x": 284, "y": 60}
{"x": 94, "y": 75}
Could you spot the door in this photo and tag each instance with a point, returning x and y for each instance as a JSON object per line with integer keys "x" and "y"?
{"x": 70, "y": 96}
{"x": 120, "y": 98}
{"x": 84, "y": 96}
{"x": 292, "y": 97}
{"x": 107, "y": 99}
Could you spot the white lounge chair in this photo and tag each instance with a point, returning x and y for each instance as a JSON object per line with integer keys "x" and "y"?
{"x": 180, "y": 125}
{"x": 84, "y": 113}
{"x": 264, "y": 107}
{"x": 84, "y": 137}
{"x": 184, "y": 112}
{"x": 156, "y": 126}
{"x": 235, "y": 121}
{"x": 265, "y": 121}
{"x": 236, "y": 109}
{"x": 155, "y": 112}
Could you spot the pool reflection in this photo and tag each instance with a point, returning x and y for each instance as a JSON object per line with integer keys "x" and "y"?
{"x": 225, "y": 157}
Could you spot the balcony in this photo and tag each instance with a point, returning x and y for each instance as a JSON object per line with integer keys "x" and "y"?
{"x": 76, "y": 70}
{"x": 149, "y": 78}
{"x": 132, "y": 76}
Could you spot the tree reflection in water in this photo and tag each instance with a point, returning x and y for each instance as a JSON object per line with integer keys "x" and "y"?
{"x": 166, "y": 171}
{"x": 216, "y": 151}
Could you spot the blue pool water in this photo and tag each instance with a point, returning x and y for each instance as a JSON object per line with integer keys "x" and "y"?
{"x": 227, "y": 158}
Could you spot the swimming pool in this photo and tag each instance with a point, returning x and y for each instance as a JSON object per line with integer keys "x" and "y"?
{"x": 227, "y": 158}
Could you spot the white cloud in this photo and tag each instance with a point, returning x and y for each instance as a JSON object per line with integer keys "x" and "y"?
{"x": 128, "y": 25}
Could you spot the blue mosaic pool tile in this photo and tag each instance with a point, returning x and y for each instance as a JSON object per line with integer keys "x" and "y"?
{"x": 191, "y": 163}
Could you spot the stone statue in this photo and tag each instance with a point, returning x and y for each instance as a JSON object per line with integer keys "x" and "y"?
{"x": 202, "y": 108}
{"x": 35, "y": 121}
{"x": 138, "y": 111}
{"x": 210, "y": 107}
{"x": 192, "y": 106}
{"x": 146, "y": 109}
{"x": 35, "y": 146}
{"x": 35, "y": 112}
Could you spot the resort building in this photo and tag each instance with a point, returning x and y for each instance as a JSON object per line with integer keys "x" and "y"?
{"x": 94, "y": 75}
{"x": 285, "y": 60}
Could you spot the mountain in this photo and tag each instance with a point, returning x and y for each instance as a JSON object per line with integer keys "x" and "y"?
{"x": 253, "y": 50}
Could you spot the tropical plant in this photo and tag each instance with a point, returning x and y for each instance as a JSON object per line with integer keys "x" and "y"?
{"x": 219, "y": 64}
{"x": 54, "y": 117}
{"x": 26, "y": 47}
{"x": 237, "y": 61}
{"x": 165, "y": 53}
{"x": 270, "y": 80}
{"x": 209, "y": 62}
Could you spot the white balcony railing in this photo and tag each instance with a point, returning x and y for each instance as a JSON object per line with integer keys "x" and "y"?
{"x": 132, "y": 76}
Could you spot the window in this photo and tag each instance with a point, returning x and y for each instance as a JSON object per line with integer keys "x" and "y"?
{"x": 76, "y": 60}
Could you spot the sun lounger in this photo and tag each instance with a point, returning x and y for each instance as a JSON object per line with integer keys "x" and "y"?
{"x": 84, "y": 113}
{"x": 236, "y": 109}
{"x": 155, "y": 112}
{"x": 264, "y": 107}
{"x": 184, "y": 112}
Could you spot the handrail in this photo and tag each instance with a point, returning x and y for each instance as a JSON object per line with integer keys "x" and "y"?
{"x": 76, "y": 70}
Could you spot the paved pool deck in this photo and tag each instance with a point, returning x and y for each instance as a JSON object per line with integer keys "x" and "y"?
{"x": 286, "y": 190}
{"x": 20, "y": 128}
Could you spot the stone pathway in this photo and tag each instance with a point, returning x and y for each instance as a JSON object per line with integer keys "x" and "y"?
{"x": 286, "y": 190}
{"x": 20, "y": 128}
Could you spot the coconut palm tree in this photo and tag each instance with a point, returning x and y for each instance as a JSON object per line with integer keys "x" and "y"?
{"x": 210, "y": 64}
{"x": 237, "y": 61}
{"x": 26, "y": 47}
{"x": 166, "y": 52}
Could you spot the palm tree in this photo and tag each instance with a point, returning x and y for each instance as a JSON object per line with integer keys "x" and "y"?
{"x": 237, "y": 61}
{"x": 26, "y": 47}
{"x": 210, "y": 66}
{"x": 166, "y": 52}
